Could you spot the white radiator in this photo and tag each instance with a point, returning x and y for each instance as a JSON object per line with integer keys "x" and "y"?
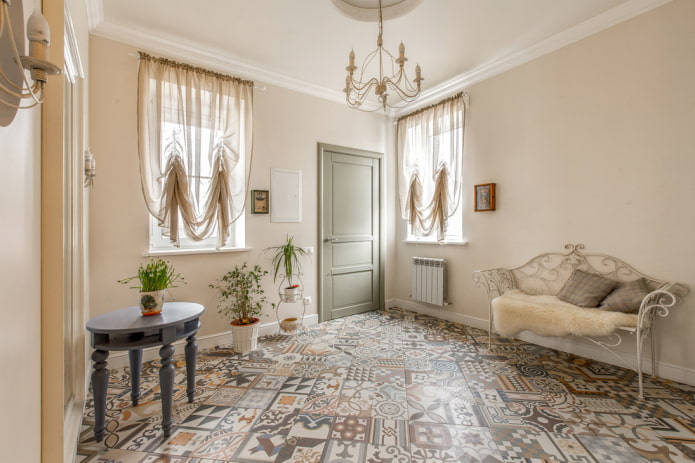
{"x": 429, "y": 280}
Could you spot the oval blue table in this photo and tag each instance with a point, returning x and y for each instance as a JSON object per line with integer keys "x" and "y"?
{"x": 127, "y": 329}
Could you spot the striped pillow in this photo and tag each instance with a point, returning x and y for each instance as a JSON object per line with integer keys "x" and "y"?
{"x": 627, "y": 297}
{"x": 586, "y": 289}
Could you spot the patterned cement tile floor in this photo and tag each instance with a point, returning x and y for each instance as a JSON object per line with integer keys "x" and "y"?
{"x": 395, "y": 386}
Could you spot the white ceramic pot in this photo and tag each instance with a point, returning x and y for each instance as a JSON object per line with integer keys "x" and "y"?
{"x": 290, "y": 294}
{"x": 151, "y": 302}
{"x": 245, "y": 337}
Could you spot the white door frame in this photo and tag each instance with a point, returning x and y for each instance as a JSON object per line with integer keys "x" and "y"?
{"x": 322, "y": 149}
{"x": 75, "y": 239}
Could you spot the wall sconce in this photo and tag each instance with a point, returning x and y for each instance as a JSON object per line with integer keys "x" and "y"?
{"x": 14, "y": 85}
{"x": 90, "y": 169}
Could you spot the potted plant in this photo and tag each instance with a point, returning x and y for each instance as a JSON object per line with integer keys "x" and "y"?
{"x": 241, "y": 299}
{"x": 286, "y": 257}
{"x": 155, "y": 276}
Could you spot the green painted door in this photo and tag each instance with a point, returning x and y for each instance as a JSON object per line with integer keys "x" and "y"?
{"x": 350, "y": 232}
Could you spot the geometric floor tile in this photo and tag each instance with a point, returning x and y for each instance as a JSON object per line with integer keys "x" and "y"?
{"x": 395, "y": 386}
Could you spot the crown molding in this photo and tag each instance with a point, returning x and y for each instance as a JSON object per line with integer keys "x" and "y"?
{"x": 95, "y": 13}
{"x": 490, "y": 69}
{"x": 209, "y": 57}
{"x": 219, "y": 60}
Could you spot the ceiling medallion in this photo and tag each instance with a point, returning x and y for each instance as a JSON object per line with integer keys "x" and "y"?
{"x": 368, "y": 10}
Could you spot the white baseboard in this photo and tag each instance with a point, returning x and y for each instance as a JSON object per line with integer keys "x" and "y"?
{"x": 120, "y": 359}
{"x": 434, "y": 311}
{"x": 570, "y": 345}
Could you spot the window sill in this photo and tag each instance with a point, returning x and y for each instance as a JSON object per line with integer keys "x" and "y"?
{"x": 439, "y": 243}
{"x": 180, "y": 252}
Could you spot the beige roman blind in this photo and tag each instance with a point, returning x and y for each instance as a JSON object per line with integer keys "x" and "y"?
{"x": 195, "y": 147}
{"x": 430, "y": 152}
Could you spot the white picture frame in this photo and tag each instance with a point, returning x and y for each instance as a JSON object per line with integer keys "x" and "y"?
{"x": 285, "y": 195}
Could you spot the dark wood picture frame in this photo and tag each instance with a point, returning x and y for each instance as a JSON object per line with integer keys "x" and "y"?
{"x": 260, "y": 201}
{"x": 484, "y": 197}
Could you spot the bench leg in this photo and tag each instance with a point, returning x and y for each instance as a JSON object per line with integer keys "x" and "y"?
{"x": 639, "y": 362}
{"x": 489, "y": 332}
{"x": 652, "y": 352}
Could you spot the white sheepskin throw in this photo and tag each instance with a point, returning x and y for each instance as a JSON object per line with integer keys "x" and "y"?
{"x": 516, "y": 311}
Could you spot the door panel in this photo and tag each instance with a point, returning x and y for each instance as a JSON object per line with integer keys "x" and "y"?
{"x": 352, "y": 253}
{"x": 350, "y": 232}
{"x": 352, "y": 289}
{"x": 352, "y": 196}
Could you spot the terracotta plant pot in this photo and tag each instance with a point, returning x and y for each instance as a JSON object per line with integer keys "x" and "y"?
{"x": 289, "y": 325}
{"x": 151, "y": 302}
{"x": 245, "y": 337}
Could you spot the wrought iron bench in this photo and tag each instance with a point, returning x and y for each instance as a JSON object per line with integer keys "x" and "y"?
{"x": 538, "y": 282}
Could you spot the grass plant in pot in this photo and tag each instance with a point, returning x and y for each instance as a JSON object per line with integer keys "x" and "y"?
{"x": 241, "y": 299}
{"x": 155, "y": 276}
{"x": 286, "y": 257}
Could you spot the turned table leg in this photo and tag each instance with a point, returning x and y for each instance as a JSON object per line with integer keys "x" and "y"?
{"x": 191, "y": 351}
{"x": 100, "y": 385}
{"x": 166, "y": 383}
{"x": 135, "y": 356}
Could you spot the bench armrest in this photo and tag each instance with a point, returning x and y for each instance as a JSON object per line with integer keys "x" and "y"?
{"x": 496, "y": 281}
{"x": 658, "y": 302}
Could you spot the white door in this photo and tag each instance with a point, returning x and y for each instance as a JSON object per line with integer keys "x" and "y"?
{"x": 350, "y": 217}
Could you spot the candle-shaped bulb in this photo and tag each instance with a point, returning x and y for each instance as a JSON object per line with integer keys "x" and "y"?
{"x": 417, "y": 72}
{"x": 352, "y": 57}
{"x": 401, "y": 50}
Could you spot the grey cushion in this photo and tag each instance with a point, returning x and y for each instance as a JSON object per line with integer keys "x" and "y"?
{"x": 626, "y": 297}
{"x": 586, "y": 289}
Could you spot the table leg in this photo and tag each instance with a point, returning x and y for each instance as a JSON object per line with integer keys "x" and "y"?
{"x": 166, "y": 384}
{"x": 191, "y": 350}
{"x": 100, "y": 385}
{"x": 135, "y": 356}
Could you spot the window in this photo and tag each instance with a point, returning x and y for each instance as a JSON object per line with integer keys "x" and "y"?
{"x": 195, "y": 131}
{"x": 430, "y": 149}
{"x": 159, "y": 238}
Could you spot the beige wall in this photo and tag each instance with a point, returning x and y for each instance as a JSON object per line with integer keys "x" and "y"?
{"x": 20, "y": 271}
{"x": 20, "y": 280}
{"x": 288, "y": 126}
{"x": 591, "y": 144}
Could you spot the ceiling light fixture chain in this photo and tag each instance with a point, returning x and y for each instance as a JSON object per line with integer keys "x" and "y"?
{"x": 357, "y": 90}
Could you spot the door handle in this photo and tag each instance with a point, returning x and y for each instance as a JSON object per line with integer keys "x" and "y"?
{"x": 329, "y": 239}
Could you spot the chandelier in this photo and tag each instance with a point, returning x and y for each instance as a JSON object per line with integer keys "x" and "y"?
{"x": 14, "y": 85}
{"x": 358, "y": 89}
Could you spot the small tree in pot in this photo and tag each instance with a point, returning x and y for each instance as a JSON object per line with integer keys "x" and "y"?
{"x": 241, "y": 299}
{"x": 286, "y": 257}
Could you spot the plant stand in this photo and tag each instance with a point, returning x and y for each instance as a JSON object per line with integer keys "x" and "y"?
{"x": 290, "y": 325}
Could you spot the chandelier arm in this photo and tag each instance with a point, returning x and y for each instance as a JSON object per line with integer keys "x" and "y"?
{"x": 22, "y": 94}
{"x": 33, "y": 103}
{"x": 8, "y": 81}
{"x": 367, "y": 61}
{"x": 399, "y": 90}
{"x": 19, "y": 63}
{"x": 366, "y": 86}
{"x": 360, "y": 108}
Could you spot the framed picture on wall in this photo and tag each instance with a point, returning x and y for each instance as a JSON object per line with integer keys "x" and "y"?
{"x": 485, "y": 197}
{"x": 259, "y": 201}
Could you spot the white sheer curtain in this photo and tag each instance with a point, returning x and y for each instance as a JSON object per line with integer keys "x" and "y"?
{"x": 195, "y": 147}
{"x": 430, "y": 151}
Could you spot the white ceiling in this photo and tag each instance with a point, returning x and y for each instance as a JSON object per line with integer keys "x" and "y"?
{"x": 304, "y": 44}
